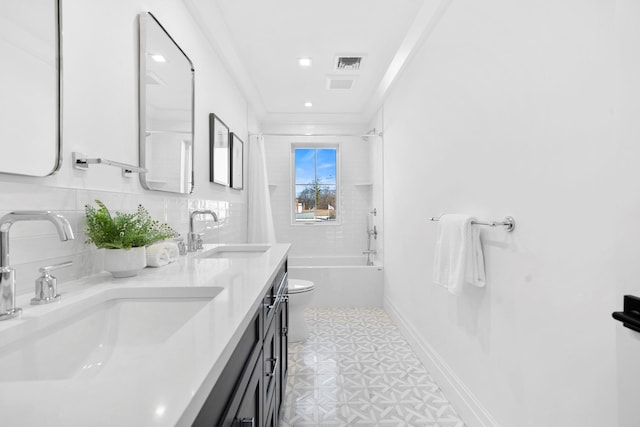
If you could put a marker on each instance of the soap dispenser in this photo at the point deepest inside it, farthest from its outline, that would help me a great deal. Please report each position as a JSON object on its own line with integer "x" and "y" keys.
{"x": 47, "y": 285}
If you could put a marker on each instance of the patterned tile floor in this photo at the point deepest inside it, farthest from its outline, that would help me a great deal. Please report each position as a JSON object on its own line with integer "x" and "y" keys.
{"x": 357, "y": 369}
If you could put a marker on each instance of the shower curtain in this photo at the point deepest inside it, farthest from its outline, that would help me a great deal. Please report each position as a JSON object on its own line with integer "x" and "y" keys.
{"x": 260, "y": 216}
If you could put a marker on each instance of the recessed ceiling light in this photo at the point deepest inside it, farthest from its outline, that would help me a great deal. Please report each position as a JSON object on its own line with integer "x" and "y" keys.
{"x": 158, "y": 58}
{"x": 308, "y": 104}
{"x": 304, "y": 62}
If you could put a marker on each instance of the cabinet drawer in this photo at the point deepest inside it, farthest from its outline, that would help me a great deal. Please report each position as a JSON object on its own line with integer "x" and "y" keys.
{"x": 271, "y": 362}
{"x": 277, "y": 288}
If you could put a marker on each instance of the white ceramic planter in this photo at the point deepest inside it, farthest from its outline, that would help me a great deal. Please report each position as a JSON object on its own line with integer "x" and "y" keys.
{"x": 125, "y": 262}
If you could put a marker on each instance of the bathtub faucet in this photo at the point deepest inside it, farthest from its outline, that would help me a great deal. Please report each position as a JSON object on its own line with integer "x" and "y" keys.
{"x": 368, "y": 253}
{"x": 373, "y": 232}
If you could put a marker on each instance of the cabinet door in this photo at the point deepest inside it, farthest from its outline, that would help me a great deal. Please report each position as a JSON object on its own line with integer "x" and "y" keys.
{"x": 282, "y": 342}
{"x": 271, "y": 362}
{"x": 221, "y": 404}
{"x": 252, "y": 404}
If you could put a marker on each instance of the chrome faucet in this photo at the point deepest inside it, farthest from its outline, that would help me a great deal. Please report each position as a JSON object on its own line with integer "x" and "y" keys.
{"x": 368, "y": 253}
{"x": 194, "y": 241}
{"x": 373, "y": 232}
{"x": 8, "y": 307}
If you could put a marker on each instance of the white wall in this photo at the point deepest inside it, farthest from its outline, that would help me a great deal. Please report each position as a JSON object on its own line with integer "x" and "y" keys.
{"x": 627, "y": 189}
{"x": 349, "y": 236}
{"x": 527, "y": 109}
{"x": 100, "y": 118}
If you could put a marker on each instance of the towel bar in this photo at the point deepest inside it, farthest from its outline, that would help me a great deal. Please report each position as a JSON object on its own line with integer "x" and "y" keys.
{"x": 82, "y": 162}
{"x": 509, "y": 223}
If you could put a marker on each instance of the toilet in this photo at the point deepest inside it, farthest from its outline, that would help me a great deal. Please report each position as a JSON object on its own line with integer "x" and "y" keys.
{"x": 300, "y": 296}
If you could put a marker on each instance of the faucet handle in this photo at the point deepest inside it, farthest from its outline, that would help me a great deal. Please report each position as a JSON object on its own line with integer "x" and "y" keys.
{"x": 48, "y": 268}
{"x": 182, "y": 247}
{"x": 47, "y": 285}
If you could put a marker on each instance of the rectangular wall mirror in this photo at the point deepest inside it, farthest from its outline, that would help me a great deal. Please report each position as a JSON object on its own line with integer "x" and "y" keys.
{"x": 166, "y": 110}
{"x": 30, "y": 87}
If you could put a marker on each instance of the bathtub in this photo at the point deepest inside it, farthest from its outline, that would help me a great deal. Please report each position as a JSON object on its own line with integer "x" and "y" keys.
{"x": 340, "y": 281}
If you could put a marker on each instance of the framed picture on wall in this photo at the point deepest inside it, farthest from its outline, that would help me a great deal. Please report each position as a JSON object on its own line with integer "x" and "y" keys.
{"x": 218, "y": 151}
{"x": 237, "y": 158}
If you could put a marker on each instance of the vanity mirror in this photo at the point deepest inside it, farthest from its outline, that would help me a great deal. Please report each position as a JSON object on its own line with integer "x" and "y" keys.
{"x": 30, "y": 87}
{"x": 166, "y": 110}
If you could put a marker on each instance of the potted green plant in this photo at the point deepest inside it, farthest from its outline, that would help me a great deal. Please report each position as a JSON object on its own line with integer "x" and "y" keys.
{"x": 124, "y": 237}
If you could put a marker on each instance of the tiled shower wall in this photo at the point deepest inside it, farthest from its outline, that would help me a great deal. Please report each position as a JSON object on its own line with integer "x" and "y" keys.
{"x": 34, "y": 244}
{"x": 349, "y": 237}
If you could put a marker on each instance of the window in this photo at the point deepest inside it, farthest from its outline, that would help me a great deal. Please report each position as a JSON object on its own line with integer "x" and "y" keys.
{"x": 315, "y": 184}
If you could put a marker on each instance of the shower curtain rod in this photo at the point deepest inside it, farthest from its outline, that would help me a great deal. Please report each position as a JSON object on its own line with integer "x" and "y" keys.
{"x": 315, "y": 134}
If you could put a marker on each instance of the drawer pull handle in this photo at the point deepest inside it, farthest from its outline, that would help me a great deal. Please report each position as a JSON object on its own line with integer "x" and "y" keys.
{"x": 274, "y": 369}
{"x": 275, "y": 303}
{"x": 246, "y": 422}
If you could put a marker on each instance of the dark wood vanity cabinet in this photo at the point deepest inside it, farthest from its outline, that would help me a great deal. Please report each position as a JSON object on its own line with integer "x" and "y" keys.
{"x": 250, "y": 390}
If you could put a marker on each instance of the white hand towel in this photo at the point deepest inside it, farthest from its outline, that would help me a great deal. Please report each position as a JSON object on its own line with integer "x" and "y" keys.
{"x": 458, "y": 256}
{"x": 157, "y": 255}
{"x": 172, "y": 251}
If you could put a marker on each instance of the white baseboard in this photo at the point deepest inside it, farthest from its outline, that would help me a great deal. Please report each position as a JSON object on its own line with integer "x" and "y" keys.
{"x": 465, "y": 403}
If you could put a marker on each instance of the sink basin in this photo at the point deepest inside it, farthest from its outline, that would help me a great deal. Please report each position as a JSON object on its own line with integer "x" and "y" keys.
{"x": 236, "y": 251}
{"x": 87, "y": 337}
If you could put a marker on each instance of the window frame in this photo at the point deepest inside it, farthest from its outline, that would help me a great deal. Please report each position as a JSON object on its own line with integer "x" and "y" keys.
{"x": 292, "y": 186}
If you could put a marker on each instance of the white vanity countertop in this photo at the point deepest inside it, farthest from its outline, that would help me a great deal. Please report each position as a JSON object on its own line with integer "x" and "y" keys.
{"x": 165, "y": 388}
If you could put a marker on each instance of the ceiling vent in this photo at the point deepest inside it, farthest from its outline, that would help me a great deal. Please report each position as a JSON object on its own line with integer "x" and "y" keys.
{"x": 348, "y": 62}
{"x": 339, "y": 83}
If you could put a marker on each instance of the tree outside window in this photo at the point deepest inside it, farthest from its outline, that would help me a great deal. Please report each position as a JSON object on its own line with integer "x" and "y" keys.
{"x": 315, "y": 184}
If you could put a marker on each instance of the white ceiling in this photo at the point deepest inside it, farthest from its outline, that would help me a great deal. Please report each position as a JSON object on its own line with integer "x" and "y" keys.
{"x": 261, "y": 40}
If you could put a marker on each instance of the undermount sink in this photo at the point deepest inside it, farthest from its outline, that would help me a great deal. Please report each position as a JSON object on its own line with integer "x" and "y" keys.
{"x": 87, "y": 337}
{"x": 236, "y": 251}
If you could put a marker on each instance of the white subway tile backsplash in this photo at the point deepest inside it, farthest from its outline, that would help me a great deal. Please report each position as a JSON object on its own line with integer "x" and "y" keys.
{"x": 17, "y": 196}
{"x": 30, "y": 248}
